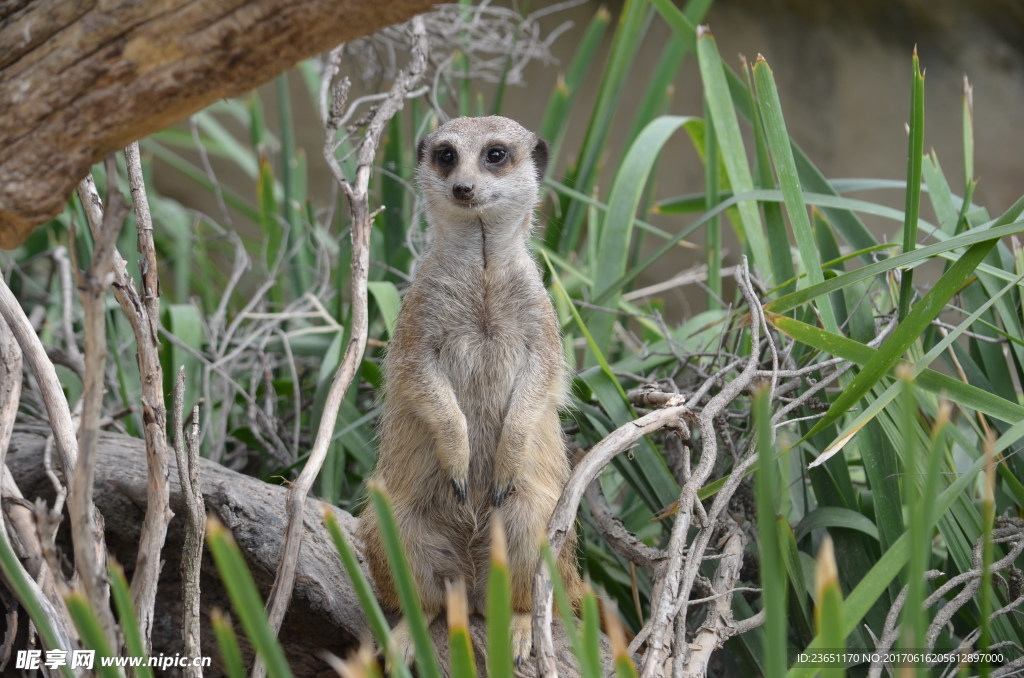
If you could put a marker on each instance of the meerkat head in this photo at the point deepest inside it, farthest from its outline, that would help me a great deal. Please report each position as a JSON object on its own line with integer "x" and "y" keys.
{"x": 481, "y": 169}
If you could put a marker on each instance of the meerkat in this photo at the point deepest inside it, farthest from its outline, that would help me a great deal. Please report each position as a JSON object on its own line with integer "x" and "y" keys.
{"x": 474, "y": 378}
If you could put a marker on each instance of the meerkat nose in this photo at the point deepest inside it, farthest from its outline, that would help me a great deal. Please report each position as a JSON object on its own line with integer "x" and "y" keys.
{"x": 463, "y": 191}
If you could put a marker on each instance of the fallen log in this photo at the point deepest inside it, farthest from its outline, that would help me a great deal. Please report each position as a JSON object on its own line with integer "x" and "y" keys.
{"x": 324, "y": 616}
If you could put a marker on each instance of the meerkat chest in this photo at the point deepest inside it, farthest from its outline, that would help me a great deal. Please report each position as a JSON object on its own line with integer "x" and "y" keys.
{"x": 485, "y": 329}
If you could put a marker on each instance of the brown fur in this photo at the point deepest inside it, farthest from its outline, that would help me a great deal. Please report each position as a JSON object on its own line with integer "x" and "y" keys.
{"x": 474, "y": 375}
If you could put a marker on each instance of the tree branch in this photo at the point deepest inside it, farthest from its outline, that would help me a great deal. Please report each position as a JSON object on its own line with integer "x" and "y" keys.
{"x": 80, "y": 80}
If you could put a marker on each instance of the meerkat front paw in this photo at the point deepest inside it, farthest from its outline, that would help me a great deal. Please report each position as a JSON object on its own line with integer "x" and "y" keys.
{"x": 455, "y": 462}
{"x": 461, "y": 488}
{"x": 506, "y": 472}
{"x": 501, "y": 492}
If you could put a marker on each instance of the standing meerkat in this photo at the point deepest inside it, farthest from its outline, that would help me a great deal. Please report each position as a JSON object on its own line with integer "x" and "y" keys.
{"x": 474, "y": 377}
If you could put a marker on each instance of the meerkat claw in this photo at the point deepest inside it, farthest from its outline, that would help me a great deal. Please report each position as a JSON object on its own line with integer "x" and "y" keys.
{"x": 501, "y": 494}
{"x": 461, "y": 488}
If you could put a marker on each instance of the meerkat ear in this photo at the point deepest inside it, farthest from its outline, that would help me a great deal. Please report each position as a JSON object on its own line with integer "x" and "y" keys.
{"x": 421, "y": 149}
{"x": 540, "y": 157}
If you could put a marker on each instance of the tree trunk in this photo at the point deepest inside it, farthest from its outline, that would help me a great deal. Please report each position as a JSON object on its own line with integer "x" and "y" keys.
{"x": 81, "y": 79}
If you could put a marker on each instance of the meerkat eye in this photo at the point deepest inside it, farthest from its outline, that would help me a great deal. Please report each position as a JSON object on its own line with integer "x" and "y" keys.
{"x": 496, "y": 154}
{"x": 444, "y": 156}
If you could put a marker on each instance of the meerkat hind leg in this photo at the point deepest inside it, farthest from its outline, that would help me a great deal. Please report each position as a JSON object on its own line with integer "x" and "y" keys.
{"x": 404, "y": 649}
{"x": 522, "y": 636}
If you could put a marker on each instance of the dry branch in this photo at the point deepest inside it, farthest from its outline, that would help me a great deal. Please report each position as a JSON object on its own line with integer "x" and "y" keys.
{"x": 80, "y": 80}
{"x": 357, "y": 192}
{"x": 671, "y": 593}
{"x": 186, "y": 456}
{"x": 86, "y": 525}
{"x": 564, "y": 516}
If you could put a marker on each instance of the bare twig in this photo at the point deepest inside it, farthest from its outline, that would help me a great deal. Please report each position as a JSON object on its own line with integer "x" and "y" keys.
{"x": 143, "y": 313}
{"x": 672, "y": 590}
{"x": 618, "y": 441}
{"x": 616, "y": 534}
{"x": 17, "y": 514}
{"x": 86, "y": 523}
{"x": 186, "y": 453}
{"x": 356, "y": 191}
{"x": 718, "y": 625}
{"x": 10, "y": 386}
{"x": 46, "y": 377}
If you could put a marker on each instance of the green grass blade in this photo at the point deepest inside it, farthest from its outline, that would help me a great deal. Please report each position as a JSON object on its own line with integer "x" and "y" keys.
{"x": 968, "y": 136}
{"x": 887, "y": 568}
{"x": 499, "y": 606}
{"x": 126, "y": 618}
{"x": 963, "y": 394}
{"x": 803, "y": 626}
{"x": 778, "y": 234}
{"x": 835, "y": 516}
{"x": 773, "y": 579}
{"x": 785, "y": 168}
{"x": 913, "y": 204}
{"x": 713, "y": 239}
{"x": 921, "y": 487}
{"x": 92, "y": 632}
{"x": 908, "y": 331}
{"x": 590, "y": 660}
{"x": 388, "y": 301}
{"x": 734, "y": 157}
{"x": 616, "y": 234}
{"x": 790, "y": 301}
{"x": 245, "y": 598}
{"x": 988, "y": 512}
{"x": 828, "y": 614}
{"x": 631, "y": 26}
{"x": 913, "y": 620}
{"x": 364, "y": 592}
{"x": 227, "y": 641}
{"x": 426, "y": 657}
{"x": 14, "y": 578}
{"x": 556, "y": 118}
{"x": 460, "y": 644}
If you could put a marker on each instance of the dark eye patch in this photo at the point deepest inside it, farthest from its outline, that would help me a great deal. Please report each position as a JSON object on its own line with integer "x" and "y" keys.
{"x": 496, "y": 155}
{"x": 445, "y": 156}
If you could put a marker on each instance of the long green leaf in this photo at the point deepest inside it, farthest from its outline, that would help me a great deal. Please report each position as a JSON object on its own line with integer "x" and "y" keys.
{"x": 245, "y": 598}
{"x": 126, "y": 618}
{"x": 499, "y": 605}
{"x": 14, "y": 577}
{"x": 913, "y": 206}
{"x": 617, "y": 232}
{"x": 460, "y": 644}
{"x": 405, "y": 585}
{"x": 785, "y": 167}
{"x": 227, "y": 641}
{"x": 734, "y": 157}
{"x": 963, "y": 394}
{"x": 893, "y": 348}
{"x": 92, "y": 633}
{"x": 835, "y": 516}
{"x": 364, "y": 592}
{"x": 773, "y": 580}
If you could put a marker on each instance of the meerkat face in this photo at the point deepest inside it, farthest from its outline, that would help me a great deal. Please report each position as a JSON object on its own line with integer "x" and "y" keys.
{"x": 471, "y": 168}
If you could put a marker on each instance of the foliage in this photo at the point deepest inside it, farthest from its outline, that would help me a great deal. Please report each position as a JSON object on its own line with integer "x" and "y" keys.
{"x": 902, "y": 467}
